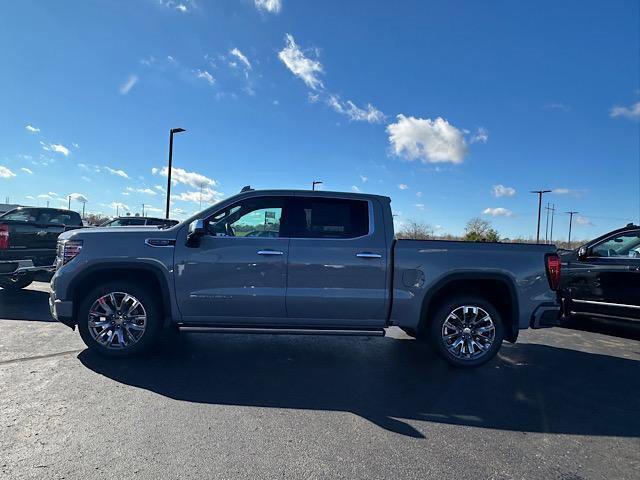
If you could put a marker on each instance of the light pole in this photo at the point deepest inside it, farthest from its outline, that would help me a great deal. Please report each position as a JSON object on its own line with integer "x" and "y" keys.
{"x": 314, "y": 183}
{"x": 539, "y": 192}
{"x": 571, "y": 214}
{"x": 171, "y": 133}
{"x": 143, "y": 209}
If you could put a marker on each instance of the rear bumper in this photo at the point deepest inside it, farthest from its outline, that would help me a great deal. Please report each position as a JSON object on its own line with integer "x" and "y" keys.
{"x": 546, "y": 315}
{"x": 62, "y": 311}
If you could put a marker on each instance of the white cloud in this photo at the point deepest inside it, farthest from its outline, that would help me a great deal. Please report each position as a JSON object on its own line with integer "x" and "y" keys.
{"x": 502, "y": 191}
{"x": 27, "y": 170}
{"x": 403, "y": 186}
{"x": 557, "y": 106}
{"x": 128, "y": 84}
{"x": 498, "y": 212}
{"x": 364, "y": 178}
{"x": 632, "y": 112}
{"x": 208, "y": 195}
{"x": 32, "y": 129}
{"x": 300, "y": 65}
{"x": 55, "y": 147}
{"x": 118, "y": 172}
{"x": 47, "y": 196}
{"x": 182, "y": 8}
{"x": 6, "y": 173}
{"x": 481, "y": 136}
{"x": 86, "y": 179}
{"x": 75, "y": 145}
{"x": 370, "y": 114}
{"x": 581, "y": 220}
{"x": 271, "y": 6}
{"x": 419, "y": 194}
{"x": 355, "y": 188}
{"x": 146, "y": 191}
{"x": 419, "y": 206}
{"x": 562, "y": 191}
{"x": 78, "y": 197}
{"x": 241, "y": 57}
{"x": 429, "y": 141}
{"x": 179, "y": 175}
{"x": 160, "y": 188}
{"x": 119, "y": 206}
{"x": 204, "y": 75}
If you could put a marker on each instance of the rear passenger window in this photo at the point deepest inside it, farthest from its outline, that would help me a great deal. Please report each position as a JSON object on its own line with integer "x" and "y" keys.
{"x": 329, "y": 218}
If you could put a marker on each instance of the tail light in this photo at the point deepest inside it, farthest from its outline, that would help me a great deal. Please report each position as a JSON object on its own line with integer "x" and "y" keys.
{"x": 68, "y": 250}
{"x": 4, "y": 237}
{"x": 553, "y": 271}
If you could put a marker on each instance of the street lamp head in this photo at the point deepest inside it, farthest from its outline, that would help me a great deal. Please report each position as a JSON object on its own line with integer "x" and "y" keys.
{"x": 177, "y": 130}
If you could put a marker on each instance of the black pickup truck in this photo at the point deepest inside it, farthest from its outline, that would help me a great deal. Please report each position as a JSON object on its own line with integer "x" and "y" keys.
{"x": 28, "y": 237}
{"x": 601, "y": 279}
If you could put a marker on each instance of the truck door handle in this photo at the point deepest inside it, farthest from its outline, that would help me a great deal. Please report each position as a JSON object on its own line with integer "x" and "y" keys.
{"x": 270, "y": 252}
{"x": 368, "y": 255}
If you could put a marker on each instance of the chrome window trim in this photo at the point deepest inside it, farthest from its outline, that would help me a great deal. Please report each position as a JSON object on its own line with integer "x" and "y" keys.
{"x": 369, "y": 204}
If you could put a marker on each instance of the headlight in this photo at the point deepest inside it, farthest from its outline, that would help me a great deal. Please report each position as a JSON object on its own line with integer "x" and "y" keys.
{"x": 67, "y": 251}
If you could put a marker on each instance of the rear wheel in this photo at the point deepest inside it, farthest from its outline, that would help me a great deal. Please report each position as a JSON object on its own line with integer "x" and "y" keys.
{"x": 119, "y": 319}
{"x": 15, "y": 282}
{"x": 467, "y": 331}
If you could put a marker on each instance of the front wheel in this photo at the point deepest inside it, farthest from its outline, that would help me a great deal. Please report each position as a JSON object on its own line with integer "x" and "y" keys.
{"x": 15, "y": 282}
{"x": 119, "y": 319}
{"x": 467, "y": 331}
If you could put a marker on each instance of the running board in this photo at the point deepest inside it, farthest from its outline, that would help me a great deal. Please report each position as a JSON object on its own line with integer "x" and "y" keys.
{"x": 372, "y": 332}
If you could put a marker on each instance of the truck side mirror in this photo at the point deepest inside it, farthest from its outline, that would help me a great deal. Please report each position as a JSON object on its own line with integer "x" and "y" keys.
{"x": 583, "y": 252}
{"x": 196, "y": 230}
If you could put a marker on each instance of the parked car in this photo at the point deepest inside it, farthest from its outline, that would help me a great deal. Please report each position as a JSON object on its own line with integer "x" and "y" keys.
{"x": 332, "y": 266}
{"x": 139, "y": 222}
{"x": 28, "y": 237}
{"x": 602, "y": 278}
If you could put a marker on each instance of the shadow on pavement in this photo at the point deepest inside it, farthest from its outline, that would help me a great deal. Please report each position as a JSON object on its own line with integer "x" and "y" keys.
{"x": 31, "y": 305}
{"x": 530, "y": 388}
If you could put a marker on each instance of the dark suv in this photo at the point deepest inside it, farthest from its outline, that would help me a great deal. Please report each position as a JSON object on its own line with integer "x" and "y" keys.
{"x": 602, "y": 278}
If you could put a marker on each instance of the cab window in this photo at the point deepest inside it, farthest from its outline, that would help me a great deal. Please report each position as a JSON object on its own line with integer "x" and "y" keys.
{"x": 254, "y": 217}
{"x": 625, "y": 244}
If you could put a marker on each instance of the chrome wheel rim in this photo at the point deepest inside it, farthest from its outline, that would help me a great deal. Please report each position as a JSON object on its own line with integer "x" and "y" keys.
{"x": 117, "y": 320}
{"x": 468, "y": 332}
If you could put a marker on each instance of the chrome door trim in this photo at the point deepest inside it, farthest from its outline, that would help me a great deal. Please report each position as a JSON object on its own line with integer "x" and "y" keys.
{"x": 368, "y": 255}
{"x": 606, "y": 304}
{"x": 269, "y": 252}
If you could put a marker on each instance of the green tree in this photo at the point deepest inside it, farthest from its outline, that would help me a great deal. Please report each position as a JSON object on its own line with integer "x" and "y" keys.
{"x": 479, "y": 230}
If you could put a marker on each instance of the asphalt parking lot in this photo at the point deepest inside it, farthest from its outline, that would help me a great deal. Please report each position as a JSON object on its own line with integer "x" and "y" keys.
{"x": 560, "y": 404}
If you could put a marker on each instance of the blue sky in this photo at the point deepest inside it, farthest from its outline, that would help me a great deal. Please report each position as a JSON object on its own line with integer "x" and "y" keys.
{"x": 455, "y": 109}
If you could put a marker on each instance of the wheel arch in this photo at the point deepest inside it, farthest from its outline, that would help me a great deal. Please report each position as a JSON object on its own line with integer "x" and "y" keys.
{"x": 149, "y": 275}
{"x": 497, "y": 288}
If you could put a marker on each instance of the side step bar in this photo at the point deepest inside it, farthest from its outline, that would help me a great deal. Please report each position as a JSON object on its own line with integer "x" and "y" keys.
{"x": 368, "y": 332}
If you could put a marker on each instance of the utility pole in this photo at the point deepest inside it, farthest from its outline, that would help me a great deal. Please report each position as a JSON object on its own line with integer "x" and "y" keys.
{"x": 571, "y": 214}
{"x": 553, "y": 213}
{"x": 540, "y": 193}
{"x": 143, "y": 209}
{"x": 546, "y": 228}
{"x": 69, "y": 203}
{"x": 171, "y": 133}
{"x": 314, "y": 183}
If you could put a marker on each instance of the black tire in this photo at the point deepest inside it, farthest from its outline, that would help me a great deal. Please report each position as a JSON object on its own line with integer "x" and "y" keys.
{"x": 441, "y": 316}
{"x": 14, "y": 283}
{"x": 150, "y": 305}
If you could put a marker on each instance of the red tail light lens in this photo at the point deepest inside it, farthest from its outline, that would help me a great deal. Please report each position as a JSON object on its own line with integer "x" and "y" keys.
{"x": 553, "y": 271}
{"x": 4, "y": 237}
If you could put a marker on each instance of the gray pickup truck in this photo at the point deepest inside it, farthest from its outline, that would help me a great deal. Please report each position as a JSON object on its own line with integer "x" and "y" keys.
{"x": 282, "y": 261}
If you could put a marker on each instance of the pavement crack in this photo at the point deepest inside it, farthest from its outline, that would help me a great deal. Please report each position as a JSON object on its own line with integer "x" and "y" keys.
{"x": 38, "y": 357}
